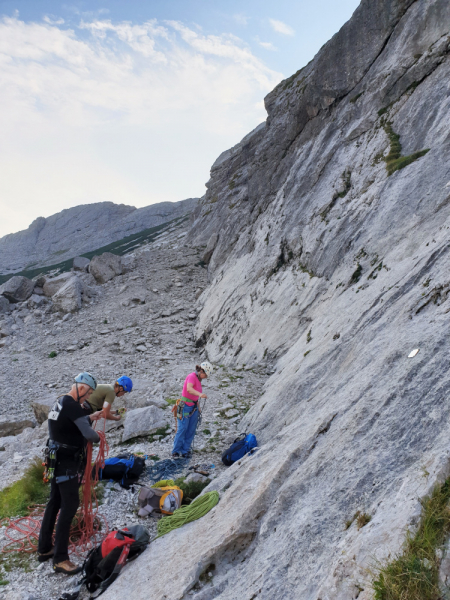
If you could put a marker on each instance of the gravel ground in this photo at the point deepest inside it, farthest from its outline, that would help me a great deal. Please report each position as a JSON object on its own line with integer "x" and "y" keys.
{"x": 140, "y": 324}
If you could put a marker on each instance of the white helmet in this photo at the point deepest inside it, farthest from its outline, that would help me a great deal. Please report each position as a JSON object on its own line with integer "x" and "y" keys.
{"x": 207, "y": 367}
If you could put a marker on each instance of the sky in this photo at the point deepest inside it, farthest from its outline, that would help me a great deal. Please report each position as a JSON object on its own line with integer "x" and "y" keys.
{"x": 131, "y": 101}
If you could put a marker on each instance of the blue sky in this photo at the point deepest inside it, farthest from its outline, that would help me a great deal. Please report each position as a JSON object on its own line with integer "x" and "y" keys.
{"x": 132, "y": 101}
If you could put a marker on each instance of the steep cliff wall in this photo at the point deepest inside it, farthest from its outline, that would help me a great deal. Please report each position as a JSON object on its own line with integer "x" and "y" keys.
{"x": 329, "y": 259}
{"x": 82, "y": 229}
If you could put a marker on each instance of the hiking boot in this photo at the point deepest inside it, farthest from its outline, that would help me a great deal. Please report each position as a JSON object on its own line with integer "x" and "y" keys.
{"x": 67, "y": 567}
{"x": 43, "y": 556}
{"x": 187, "y": 454}
{"x": 175, "y": 455}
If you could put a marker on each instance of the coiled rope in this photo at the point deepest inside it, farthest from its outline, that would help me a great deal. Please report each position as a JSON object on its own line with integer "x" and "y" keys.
{"x": 166, "y": 469}
{"x": 197, "y": 509}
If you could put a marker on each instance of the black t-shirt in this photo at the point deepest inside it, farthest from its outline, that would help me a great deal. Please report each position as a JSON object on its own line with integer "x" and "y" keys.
{"x": 61, "y": 423}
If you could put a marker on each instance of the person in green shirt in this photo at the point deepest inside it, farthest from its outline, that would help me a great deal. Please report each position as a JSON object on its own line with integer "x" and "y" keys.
{"x": 105, "y": 394}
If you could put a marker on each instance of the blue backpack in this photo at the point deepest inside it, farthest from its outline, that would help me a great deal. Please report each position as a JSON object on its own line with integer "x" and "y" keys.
{"x": 125, "y": 468}
{"x": 245, "y": 443}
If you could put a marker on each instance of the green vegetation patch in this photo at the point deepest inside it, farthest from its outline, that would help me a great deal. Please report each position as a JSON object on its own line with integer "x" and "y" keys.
{"x": 192, "y": 489}
{"x": 17, "y": 498}
{"x": 394, "y": 160}
{"x": 356, "y": 276}
{"x": 171, "y": 401}
{"x": 414, "y": 574}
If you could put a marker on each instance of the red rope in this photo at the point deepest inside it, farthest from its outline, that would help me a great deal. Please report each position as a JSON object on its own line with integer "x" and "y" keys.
{"x": 88, "y": 527}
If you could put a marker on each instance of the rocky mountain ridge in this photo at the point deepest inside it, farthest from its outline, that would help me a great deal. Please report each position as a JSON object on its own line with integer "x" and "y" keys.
{"x": 82, "y": 229}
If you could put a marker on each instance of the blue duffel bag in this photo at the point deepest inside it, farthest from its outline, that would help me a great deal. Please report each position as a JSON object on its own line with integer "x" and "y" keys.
{"x": 245, "y": 443}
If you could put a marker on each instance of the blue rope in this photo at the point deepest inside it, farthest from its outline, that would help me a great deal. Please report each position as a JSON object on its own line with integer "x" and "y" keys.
{"x": 168, "y": 468}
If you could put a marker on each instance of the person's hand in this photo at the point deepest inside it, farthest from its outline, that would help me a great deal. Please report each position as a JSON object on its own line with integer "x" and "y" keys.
{"x": 97, "y": 415}
{"x": 203, "y": 396}
{"x": 117, "y": 417}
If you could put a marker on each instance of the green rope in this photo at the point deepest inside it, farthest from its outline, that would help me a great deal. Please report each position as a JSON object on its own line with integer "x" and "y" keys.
{"x": 197, "y": 509}
{"x": 164, "y": 483}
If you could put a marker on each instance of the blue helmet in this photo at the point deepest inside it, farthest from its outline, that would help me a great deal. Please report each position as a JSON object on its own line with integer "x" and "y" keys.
{"x": 126, "y": 383}
{"x": 87, "y": 379}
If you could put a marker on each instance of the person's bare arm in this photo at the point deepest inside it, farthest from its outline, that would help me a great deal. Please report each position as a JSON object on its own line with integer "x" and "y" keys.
{"x": 194, "y": 392}
{"x": 108, "y": 413}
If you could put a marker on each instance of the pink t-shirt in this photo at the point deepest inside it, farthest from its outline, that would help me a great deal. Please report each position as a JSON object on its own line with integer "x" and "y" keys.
{"x": 192, "y": 378}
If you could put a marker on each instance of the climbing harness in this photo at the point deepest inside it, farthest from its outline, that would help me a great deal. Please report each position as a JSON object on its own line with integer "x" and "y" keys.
{"x": 186, "y": 514}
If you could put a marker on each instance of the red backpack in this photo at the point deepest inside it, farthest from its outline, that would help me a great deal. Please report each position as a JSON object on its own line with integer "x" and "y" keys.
{"x": 104, "y": 563}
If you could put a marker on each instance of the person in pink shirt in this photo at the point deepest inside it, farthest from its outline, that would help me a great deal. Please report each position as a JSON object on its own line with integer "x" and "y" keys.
{"x": 187, "y": 426}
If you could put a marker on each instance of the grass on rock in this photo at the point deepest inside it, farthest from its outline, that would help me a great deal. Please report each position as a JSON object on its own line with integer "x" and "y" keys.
{"x": 394, "y": 160}
{"x": 414, "y": 574}
{"x": 192, "y": 489}
{"x": 27, "y": 491}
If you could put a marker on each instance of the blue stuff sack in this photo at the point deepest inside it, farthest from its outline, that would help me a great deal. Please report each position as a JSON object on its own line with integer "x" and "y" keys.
{"x": 125, "y": 468}
{"x": 241, "y": 446}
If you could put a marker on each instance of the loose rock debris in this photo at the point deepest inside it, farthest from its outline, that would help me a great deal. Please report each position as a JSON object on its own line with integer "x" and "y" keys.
{"x": 153, "y": 342}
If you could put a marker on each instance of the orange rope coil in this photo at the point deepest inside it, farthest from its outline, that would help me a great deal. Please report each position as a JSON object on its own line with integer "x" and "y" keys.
{"x": 88, "y": 526}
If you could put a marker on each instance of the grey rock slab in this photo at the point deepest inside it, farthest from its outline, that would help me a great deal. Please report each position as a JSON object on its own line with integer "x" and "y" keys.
{"x": 80, "y": 263}
{"x": 105, "y": 267}
{"x": 195, "y": 477}
{"x": 143, "y": 421}
{"x": 35, "y": 300}
{"x": 5, "y": 306}
{"x": 17, "y": 289}
{"x": 231, "y": 413}
{"x": 129, "y": 262}
{"x": 14, "y": 427}
{"x": 53, "y": 284}
{"x": 159, "y": 402}
{"x": 212, "y": 243}
{"x": 41, "y": 408}
{"x": 68, "y": 298}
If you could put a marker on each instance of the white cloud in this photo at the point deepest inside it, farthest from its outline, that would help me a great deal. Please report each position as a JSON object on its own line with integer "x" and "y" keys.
{"x": 281, "y": 27}
{"x": 241, "y": 19}
{"x": 268, "y": 46}
{"x": 133, "y": 113}
{"x": 53, "y": 20}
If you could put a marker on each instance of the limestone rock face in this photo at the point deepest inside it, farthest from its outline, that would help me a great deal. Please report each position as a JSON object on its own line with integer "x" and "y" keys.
{"x": 17, "y": 289}
{"x": 105, "y": 267}
{"x": 68, "y": 298}
{"x": 331, "y": 266}
{"x": 212, "y": 242}
{"x": 143, "y": 421}
{"x": 54, "y": 239}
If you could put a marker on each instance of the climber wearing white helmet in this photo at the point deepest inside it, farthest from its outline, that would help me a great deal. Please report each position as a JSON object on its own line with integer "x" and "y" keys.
{"x": 188, "y": 410}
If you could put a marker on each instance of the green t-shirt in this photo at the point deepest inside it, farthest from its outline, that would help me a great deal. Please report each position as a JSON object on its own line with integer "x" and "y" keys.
{"x": 104, "y": 393}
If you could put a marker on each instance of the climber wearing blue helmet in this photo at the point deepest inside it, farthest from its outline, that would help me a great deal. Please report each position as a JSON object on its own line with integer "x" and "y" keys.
{"x": 105, "y": 394}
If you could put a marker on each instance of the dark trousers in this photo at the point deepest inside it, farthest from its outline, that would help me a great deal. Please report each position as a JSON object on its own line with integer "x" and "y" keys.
{"x": 64, "y": 498}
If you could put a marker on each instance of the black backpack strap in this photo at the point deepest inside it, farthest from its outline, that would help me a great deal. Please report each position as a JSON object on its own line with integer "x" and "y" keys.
{"x": 118, "y": 567}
